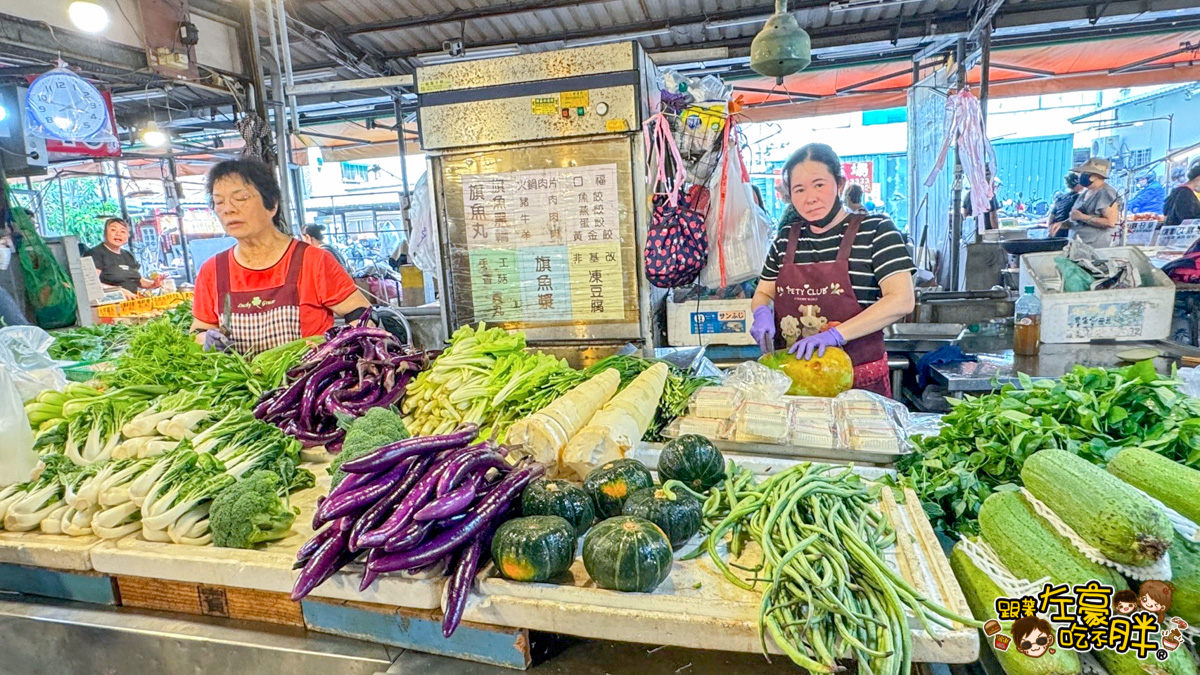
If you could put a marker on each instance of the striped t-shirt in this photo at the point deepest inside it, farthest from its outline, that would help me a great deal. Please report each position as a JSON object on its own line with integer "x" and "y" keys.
{"x": 879, "y": 252}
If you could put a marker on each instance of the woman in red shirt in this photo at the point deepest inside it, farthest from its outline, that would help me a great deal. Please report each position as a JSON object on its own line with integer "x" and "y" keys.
{"x": 273, "y": 288}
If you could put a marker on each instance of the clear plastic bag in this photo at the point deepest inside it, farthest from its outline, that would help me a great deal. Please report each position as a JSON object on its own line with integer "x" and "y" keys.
{"x": 423, "y": 243}
{"x": 739, "y": 232}
{"x": 17, "y": 458}
{"x": 24, "y": 353}
{"x": 758, "y": 382}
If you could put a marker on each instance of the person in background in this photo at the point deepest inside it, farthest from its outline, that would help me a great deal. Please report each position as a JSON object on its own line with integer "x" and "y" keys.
{"x": 1150, "y": 196}
{"x": 1183, "y": 202}
{"x": 1178, "y": 177}
{"x": 1060, "y": 212}
{"x": 116, "y": 265}
{"x": 990, "y": 219}
{"x": 314, "y": 235}
{"x": 854, "y": 199}
{"x": 840, "y": 277}
{"x": 269, "y": 289}
{"x": 1097, "y": 210}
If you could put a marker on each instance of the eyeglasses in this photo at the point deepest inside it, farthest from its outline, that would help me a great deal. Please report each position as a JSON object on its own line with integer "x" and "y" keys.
{"x": 1026, "y": 644}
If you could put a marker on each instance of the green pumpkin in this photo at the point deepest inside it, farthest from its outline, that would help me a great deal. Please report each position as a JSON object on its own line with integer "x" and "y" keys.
{"x": 678, "y": 518}
{"x": 627, "y": 553}
{"x": 534, "y": 548}
{"x": 559, "y": 498}
{"x": 692, "y": 460}
{"x": 611, "y": 484}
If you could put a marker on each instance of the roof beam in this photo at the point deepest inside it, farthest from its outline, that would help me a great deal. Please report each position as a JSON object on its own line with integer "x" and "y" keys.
{"x": 455, "y": 15}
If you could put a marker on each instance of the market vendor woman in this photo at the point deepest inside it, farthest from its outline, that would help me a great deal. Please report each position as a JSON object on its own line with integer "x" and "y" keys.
{"x": 834, "y": 277}
{"x": 273, "y": 288}
{"x": 116, "y": 265}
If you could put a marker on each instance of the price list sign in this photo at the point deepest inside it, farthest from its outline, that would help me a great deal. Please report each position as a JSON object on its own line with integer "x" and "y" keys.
{"x": 544, "y": 244}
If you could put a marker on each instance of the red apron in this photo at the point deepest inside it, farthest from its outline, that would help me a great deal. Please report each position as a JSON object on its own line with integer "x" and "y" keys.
{"x": 266, "y": 318}
{"x": 819, "y": 296}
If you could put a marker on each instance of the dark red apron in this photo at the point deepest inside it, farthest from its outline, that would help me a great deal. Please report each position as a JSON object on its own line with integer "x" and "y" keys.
{"x": 820, "y": 296}
{"x": 266, "y": 318}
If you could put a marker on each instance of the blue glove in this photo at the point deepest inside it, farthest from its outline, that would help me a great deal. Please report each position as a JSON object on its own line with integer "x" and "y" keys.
{"x": 763, "y": 328}
{"x": 216, "y": 341}
{"x": 804, "y": 349}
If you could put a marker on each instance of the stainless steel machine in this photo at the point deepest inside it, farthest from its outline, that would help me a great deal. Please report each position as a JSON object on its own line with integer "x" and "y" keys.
{"x": 538, "y": 173}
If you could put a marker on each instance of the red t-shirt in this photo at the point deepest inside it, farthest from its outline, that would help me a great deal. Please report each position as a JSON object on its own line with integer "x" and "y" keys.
{"x": 323, "y": 283}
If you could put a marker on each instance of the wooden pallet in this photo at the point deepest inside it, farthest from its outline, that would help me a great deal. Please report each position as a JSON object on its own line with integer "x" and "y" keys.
{"x": 209, "y": 600}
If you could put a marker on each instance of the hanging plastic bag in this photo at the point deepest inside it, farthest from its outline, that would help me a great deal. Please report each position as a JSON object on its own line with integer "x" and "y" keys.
{"x": 423, "y": 243}
{"x": 17, "y": 458}
{"x": 739, "y": 231}
{"x": 25, "y": 356}
{"x": 47, "y": 285}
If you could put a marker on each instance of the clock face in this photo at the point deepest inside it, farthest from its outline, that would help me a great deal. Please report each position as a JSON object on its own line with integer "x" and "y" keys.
{"x": 66, "y": 107}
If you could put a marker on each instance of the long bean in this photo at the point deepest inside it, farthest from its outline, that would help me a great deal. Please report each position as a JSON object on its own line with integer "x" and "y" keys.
{"x": 829, "y": 594}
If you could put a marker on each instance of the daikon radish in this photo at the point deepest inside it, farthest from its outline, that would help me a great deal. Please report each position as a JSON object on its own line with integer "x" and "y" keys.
{"x": 544, "y": 434}
{"x": 619, "y": 425}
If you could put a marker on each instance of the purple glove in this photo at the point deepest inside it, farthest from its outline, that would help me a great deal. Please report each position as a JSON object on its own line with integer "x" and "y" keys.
{"x": 763, "y": 328}
{"x": 216, "y": 341}
{"x": 804, "y": 349}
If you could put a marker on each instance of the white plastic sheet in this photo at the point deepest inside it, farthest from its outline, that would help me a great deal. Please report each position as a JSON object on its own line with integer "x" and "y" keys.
{"x": 17, "y": 458}
{"x": 24, "y": 354}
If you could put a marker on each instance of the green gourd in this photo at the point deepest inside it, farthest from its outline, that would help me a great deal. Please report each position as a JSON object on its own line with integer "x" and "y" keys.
{"x": 557, "y": 497}
{"x": 679, "y": 516}
{"x": 692, "y": 460}
{"x": 534, "y": 548}
{"x": 1166, "y": 480}
{"x": 627, "y": 553}
{"x": 611, "y": 484}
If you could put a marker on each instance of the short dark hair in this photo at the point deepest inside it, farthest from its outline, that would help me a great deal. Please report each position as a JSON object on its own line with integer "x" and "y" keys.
{"x": 1125, "y": 596}
{"x": 1072, "y": 179}
{"x": 817, "y": 152}
{"x": 255, "y": 173}
{"x": 1194, "y": 170}
{"x": 110, "y": 221}
{"x": 854, "y": 194}
{"x": 315, "y": 231}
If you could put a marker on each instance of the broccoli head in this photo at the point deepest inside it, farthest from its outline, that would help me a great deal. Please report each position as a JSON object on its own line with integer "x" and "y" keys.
{"x": 376, "y": 428}
{"x": 251, "y": 512}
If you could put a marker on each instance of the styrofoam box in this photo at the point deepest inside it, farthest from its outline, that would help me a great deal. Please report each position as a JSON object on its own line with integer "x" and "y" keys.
{"x": 709, "y": 322}
{"x": 1127, "y": 314}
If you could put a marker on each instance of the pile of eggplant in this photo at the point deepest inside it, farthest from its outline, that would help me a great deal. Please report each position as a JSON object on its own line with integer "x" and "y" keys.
{"x": 425, "y": 503}
{"x": 357, "y": 368}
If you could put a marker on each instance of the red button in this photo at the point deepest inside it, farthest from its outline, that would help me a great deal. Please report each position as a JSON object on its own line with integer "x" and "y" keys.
{"x": 566, "y": 113}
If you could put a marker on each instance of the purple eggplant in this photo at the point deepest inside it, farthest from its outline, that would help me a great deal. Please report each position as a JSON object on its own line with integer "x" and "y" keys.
{"x": 459, "y": 586}
{"x": 369, "y": 575}
{"x": 378, "y": 512}
{"x": 324, "y": 397}
{"x": 361, "y": 498}
{"x": 400, "y": 517}
{"x": 316, "y": 382}
{"x": 346, "y": 336}
{"x": 394, "y": 452}
{"x": 452, "y": 503}
{"x": 466, "y": 466}
{"x": 488, "y": 510}
{"x": 310, "y": 547}
{"x": 409, "y": 536}
{"x": 317, "y": 569}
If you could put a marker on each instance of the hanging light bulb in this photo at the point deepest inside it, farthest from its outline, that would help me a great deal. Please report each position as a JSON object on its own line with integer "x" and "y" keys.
{"x": 152, "y": 135}
{"x": 88, "y": 16}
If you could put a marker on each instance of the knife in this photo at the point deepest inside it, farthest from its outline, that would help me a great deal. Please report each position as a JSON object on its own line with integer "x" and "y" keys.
{"x": 227, "y": 315}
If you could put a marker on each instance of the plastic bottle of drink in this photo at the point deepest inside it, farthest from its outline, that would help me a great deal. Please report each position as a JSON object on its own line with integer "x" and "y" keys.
{"x": 1028, "y": 320}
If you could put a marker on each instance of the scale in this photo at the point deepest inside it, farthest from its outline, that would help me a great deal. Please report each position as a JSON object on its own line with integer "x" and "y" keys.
{"x": 538, "y": 175}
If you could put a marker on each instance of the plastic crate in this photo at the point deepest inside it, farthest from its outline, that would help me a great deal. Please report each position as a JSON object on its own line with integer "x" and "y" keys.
{"x": 1124, "y": 315}
{"x": 709, "y": 322}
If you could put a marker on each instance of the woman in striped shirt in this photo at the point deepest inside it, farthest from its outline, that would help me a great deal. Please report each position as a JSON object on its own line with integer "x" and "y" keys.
{"x": 840, "y": 276}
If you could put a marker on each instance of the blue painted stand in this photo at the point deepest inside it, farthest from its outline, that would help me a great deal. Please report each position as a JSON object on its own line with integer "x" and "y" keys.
{"x": 79, "y": 586}
{"x": 420, "y": 631}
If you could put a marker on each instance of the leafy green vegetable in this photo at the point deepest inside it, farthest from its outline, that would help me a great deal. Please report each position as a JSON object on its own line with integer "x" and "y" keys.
{"x": 251, "y": 512}
{"x": 89, "y": 343}
{"x": 1091, "y": 412}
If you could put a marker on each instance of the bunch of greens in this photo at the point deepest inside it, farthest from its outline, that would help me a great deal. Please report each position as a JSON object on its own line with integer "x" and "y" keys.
{"x": 677, "y": 392}
{"x": 180, "y": 316}
{"x": 1091, "y": 412}
{"x": 89, "y": 343}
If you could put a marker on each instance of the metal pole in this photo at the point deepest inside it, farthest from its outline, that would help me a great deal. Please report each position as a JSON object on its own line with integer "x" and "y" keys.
{"x": 985, "y": 72}
{"x": 286, "y": 47}
{"x": 405, "y": 216}
{"x": 177, "y": 196}
{"x": 956, "y": 221}
{"x": 121, "y": 192}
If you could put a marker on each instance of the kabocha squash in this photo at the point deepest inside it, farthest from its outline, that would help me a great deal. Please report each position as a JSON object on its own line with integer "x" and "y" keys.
{"x": 981, "y": 593}
{"x": 1169, "y": 482}
{"x": 559, "y": 498}
{"x": 534, "y": 548}
{"x": 1185, "y": 577}
{"x": 1031, "y": 549}
{"x": 627, "y": 553}
{"x": 611, "y": 484}
{"x": 678, "y": 515}
{"x": 1103, "y": 510}
{"x": 692, "y": 460}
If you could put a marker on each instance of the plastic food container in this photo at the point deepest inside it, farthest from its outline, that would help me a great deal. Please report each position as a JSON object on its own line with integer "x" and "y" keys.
{"x": 812, "y": 433}
{"x": 869, "y": 437}
{"x": 715, "y": 402}
{"x": 703, "y": 426}
{"x": 758, "y": 422}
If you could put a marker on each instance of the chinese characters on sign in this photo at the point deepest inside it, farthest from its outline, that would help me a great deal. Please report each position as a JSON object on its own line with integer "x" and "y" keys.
{"x": 544, "y": 245}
